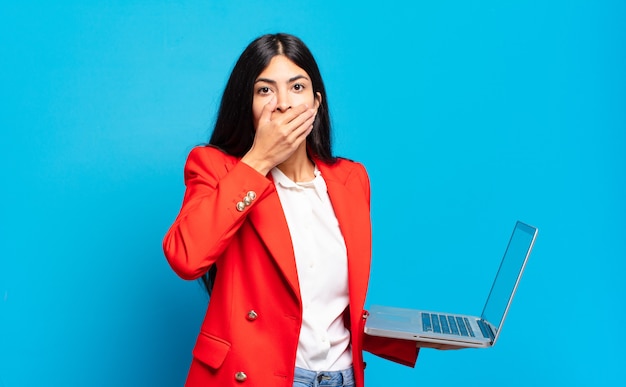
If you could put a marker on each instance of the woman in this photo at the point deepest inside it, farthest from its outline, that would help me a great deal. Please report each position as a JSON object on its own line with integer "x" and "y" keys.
{"x": 279, "y": 229}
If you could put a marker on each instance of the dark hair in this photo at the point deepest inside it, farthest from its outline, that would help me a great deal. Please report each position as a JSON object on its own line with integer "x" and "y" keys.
{"x": 234, "y": 127}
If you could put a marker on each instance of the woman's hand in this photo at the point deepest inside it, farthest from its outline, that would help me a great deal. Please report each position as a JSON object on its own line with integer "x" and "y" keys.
{"x": 423, "y": 344}
{"x": 278, "y": 135}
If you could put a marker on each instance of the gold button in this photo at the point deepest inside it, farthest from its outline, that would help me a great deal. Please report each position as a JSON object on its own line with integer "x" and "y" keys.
{"x": 252, "y": 315}
{"x": 241, "y": 376}
{"x": 241, "y": 206}
{"x": 251, "y": 195}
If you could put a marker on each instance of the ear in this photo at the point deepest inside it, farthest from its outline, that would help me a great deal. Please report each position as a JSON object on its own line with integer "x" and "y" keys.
{"x": 318, "y": 99}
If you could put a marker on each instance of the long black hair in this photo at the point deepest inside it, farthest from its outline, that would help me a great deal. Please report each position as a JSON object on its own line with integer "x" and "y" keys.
{"x": 234, "y": 127}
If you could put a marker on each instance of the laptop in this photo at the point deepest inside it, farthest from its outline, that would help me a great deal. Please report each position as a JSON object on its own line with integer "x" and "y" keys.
{"x": 459, "y": 329}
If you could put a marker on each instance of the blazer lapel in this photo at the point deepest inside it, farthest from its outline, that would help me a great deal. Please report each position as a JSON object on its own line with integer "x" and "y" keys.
{"x": 268, "y": 219}
{"x": 352, "y": 212}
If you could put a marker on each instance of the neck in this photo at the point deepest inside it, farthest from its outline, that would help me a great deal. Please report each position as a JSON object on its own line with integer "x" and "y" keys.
{"x": 298, "y": 167}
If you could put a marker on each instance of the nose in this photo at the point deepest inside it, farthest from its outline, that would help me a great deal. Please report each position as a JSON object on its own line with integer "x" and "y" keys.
{"x": 283, "y": 104}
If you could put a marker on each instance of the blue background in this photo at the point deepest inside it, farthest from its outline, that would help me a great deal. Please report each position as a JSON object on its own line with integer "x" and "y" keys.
{"x": 468, "y": 116}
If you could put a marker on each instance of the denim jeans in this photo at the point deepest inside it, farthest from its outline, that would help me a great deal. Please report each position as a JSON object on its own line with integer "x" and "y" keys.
{"x": 306, "y": 378}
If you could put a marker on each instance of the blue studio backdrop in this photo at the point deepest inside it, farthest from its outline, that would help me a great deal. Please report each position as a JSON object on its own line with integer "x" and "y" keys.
{"x": 467, "y": 115}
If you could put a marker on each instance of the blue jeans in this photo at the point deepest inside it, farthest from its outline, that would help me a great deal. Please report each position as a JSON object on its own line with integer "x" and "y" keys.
{"x": 306, "y": 378}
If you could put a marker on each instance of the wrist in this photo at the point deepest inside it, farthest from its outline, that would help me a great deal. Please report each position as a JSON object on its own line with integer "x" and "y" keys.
{"x": 261, "y": 166}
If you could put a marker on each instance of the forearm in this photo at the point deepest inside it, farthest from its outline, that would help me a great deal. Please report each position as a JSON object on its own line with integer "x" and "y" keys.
{"x": 397, "y": 350}
{"x": 210, "y": 215}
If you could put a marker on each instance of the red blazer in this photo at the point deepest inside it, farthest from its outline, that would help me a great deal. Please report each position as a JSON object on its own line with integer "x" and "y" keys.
{"x": 250, "y": 332}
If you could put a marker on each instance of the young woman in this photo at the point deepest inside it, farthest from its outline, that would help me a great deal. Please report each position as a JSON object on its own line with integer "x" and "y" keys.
{"x": 279, "y": 230}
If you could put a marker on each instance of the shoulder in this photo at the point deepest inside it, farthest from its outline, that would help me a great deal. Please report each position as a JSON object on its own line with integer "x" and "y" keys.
{"x": 348, "y": 173}
{"x": 208, "y": 159}
{"x": 345, "y": 169}
{"x": 208, "y": 155}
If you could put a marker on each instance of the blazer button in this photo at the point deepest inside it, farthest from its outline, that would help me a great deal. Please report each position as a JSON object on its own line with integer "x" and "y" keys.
{"x": 252, "y": 315}
{"x": 241, "y": 376}
{"x": 241, "y": 206}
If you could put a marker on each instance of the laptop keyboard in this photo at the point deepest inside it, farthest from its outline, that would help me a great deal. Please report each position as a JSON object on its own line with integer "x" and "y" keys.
{"x": 448, "y": 324}
{"x": 485, "y": 329}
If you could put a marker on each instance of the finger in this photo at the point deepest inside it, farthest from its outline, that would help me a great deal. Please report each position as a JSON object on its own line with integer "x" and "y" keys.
{"x": 266, "y": 113}
{"x": 302, "y": 121}
{"x": 293, "y": 114}
{"x": 301, "y": 132}
{"x": 305, "y": 119}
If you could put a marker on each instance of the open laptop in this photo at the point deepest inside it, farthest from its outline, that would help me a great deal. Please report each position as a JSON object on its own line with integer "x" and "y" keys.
{"x": 459, "y": 329}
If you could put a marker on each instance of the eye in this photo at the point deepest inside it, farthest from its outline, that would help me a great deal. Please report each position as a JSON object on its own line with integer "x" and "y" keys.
{"x": 298, "y": 87}
{"x": 263, "y": 90}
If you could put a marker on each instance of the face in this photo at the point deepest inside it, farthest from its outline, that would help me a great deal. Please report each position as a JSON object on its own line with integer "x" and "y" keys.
{"x": 289, "y": 84}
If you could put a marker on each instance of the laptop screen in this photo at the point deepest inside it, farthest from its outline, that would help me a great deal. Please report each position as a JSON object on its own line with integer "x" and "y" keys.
{"x": 509, "y": 274}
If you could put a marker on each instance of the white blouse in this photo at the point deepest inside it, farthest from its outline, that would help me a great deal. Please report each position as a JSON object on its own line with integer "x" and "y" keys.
{"x": 321, "y": 261}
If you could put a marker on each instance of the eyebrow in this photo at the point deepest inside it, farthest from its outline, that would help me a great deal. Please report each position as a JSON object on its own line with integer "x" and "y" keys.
{"x": 273, "y": 82}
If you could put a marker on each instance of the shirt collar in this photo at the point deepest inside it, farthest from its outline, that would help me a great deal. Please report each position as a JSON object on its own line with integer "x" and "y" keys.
{"x": 318, "y": 183}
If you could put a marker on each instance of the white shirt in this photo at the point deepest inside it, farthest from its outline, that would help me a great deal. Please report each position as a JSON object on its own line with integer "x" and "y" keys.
{"x": 321, "y": 261}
